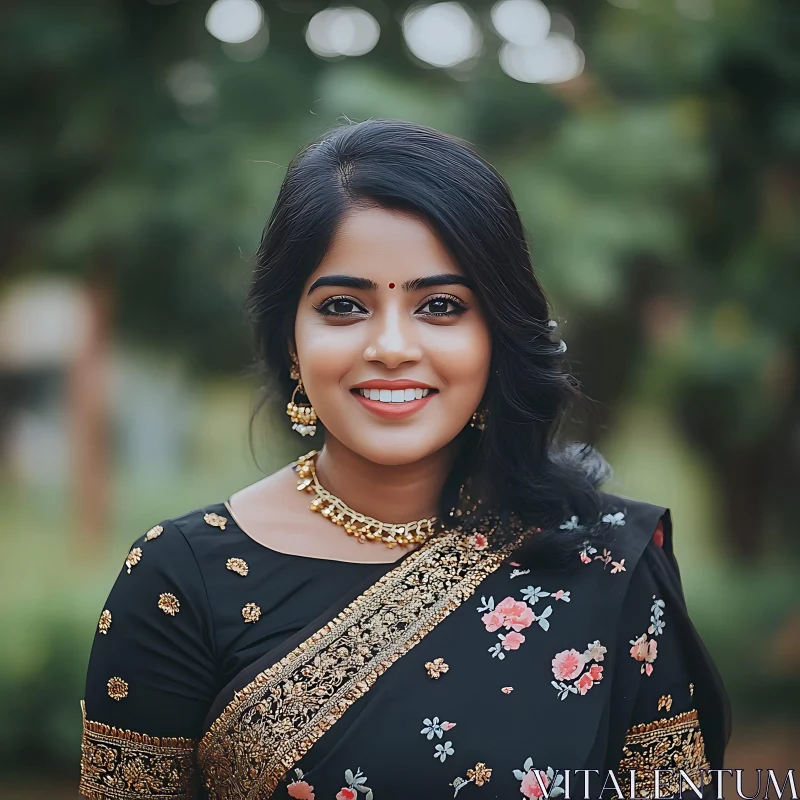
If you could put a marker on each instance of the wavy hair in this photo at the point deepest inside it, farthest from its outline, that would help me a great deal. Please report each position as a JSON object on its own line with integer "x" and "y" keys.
{"x": 521, "y": 461}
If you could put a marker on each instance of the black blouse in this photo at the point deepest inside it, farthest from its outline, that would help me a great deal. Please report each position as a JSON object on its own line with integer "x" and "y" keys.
{"x": 208, "y": 600}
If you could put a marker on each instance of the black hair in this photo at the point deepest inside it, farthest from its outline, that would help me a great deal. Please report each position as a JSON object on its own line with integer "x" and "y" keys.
{"x": 520, "y": 462}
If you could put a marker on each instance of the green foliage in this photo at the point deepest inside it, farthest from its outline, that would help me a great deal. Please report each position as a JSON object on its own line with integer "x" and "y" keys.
{"x": 659, "y": 189}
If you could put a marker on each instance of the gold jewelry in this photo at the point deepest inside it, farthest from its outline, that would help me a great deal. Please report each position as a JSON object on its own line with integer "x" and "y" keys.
{"x": 302, "y": 415}
{"x": 364, "y": 528}
{"x": 478, "y": 419}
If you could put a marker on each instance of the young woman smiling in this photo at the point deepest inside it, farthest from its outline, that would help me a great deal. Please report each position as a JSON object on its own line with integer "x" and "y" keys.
{"x": 468, "y": 611}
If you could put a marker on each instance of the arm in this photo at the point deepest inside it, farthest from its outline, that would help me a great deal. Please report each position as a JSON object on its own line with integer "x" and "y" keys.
{"x": 151, "y": 675}
{"x": 677, "y": 714}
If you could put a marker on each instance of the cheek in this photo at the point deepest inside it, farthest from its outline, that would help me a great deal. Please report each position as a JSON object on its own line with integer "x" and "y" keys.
{"x": 462, "y": 354}
{"x": 326, "y": 354}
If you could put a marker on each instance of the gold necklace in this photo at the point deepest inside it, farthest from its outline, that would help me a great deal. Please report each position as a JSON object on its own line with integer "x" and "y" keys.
{"x": 364, "y": 528}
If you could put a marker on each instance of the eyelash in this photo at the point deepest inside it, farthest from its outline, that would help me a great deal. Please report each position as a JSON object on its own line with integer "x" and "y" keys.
{"x": 460, "y": 307}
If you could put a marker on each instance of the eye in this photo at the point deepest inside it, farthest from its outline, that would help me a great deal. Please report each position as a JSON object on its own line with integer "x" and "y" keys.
{"x": 444, "y": 306}
{"x": 339, "y": 307}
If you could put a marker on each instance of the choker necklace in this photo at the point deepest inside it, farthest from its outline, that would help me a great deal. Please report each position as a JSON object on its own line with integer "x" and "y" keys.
{"x": 359, "y": 525}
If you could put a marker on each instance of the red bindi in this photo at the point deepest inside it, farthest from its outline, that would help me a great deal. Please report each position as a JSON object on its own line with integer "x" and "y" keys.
{"x": 391, "y": 286}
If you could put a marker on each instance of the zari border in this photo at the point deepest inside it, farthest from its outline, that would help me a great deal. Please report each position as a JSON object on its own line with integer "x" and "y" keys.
{"x": 274, "y": 720}
{"x": 674, "y": 743}
{"x": 122, "y": 765}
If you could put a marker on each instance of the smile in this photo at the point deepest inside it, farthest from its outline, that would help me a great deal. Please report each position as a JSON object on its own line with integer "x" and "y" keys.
{"x": 394, "y": 395}
{"x": 393, "y": 403}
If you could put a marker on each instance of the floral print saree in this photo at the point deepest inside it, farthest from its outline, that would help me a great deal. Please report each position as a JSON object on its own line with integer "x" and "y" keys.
{"x": 470, "y": 668}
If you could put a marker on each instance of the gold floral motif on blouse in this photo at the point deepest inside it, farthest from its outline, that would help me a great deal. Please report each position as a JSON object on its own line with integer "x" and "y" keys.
{"x": 120, "y": 765}
{"x": 105, "y": 622}
{"x": 154, "y": 533}
{"x": 216, "y": 521}
{"x": 134, "y": 557}
{"x": 675, "y": 743}
{"x": 238, "y": 565}
{"x": 169, "y": 604}
{"x": 117, "y": 689}
{"x": 251, "y": 613}
{"x": 273, "y": 721}
{"x": 665, "y": 702}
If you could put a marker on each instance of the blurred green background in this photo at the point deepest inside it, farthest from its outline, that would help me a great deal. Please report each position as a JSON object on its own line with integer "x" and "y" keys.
{"x": 653, "y": 147}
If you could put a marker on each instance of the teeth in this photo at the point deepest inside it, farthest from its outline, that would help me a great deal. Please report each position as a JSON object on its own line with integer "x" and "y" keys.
{"x": 394, "y": 395}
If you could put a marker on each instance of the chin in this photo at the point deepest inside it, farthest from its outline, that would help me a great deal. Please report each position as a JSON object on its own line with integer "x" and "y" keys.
{"x": 398, "y": 447}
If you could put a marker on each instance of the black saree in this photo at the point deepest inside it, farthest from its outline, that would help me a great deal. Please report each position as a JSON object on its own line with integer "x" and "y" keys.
{"x": 396, "y": 692}
{"x": 467, "y": 668}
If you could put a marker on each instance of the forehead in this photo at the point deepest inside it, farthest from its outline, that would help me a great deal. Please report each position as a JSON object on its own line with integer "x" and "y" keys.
{"x": 386, "y": 245}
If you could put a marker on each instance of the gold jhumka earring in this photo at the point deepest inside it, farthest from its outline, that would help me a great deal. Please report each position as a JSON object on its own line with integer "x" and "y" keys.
{"x": 478, "y": 419}
{"x": 302, "y": 415}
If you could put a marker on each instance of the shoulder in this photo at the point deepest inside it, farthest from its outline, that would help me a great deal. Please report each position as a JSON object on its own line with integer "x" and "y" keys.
{"x": 179, "y": 544}
{"x": 634, "y": 524}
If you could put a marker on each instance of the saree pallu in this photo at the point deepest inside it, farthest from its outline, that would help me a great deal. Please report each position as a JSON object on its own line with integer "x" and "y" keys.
{"x": 472, "y": 669}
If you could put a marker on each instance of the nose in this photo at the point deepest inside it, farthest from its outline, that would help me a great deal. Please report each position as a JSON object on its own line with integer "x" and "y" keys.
{"x": 392, "y": 341}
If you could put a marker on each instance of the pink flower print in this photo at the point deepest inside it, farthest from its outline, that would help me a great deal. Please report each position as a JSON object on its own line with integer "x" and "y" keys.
{"x": 639, "y": 647}
{"x": 493, "y": 620}
{"x": 507, "y": 689}
{"x": 585, "y": 558}
{"x": 618, "y": 566}
{"x": 584, "y": 683}
{"x": 512, "y": 641}
{"x": 530, "y": 786}
{"x": 567, "y": 664}
{"x": 346, "y": 794}
{"x": 479, "y": 541}
{"x": 446, "y": 726}
{"x": 518, "y": 615}
{"x": 300, "y": 790}
{"x": 562, "y": 595}
{"x": 645, "y": 650}
{"x": 595, "y": 672}
{"x": 514, "y": 563}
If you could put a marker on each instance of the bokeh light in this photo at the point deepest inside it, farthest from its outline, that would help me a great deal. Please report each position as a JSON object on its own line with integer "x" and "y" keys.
{"x": 522, "y": 22}
{"x": 234, "y": 21}
{"x": 554, "y": 60}
{"x": 442, "y": 34}
{"x": 347, "y": 31}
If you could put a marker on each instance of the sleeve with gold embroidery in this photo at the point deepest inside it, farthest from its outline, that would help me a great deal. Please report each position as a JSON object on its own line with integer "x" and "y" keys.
{"x": 151, "y": 675}
{"x": 672, "y": 707}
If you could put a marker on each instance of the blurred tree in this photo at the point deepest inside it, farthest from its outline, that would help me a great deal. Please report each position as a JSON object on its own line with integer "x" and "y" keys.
{"x": 660, "y": 188}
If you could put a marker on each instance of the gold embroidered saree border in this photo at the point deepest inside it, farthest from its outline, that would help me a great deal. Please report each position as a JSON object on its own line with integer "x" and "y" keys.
{"x": 674, "y": 743}
{"x": 123, "y": 765}
{"x": 274, "y": 720}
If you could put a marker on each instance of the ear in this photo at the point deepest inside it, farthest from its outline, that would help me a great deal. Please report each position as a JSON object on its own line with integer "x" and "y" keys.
{"x": 291, "y": 349}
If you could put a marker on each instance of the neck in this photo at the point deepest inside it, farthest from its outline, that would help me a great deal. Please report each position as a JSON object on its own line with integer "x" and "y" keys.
{"x": 395, "y": 493}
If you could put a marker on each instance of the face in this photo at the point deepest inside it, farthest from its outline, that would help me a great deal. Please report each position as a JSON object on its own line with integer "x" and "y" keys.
{"x": 394, "y": 348}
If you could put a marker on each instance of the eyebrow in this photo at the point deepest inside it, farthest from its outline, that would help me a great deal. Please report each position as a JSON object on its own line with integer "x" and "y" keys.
{"x": 345, "y": 281}
{"x": 415, "y": 285}
{"x": 446, "y": 279}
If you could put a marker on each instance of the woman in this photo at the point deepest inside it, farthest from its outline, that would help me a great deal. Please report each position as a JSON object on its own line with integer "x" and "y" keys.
{"x": 468, "y": 612}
